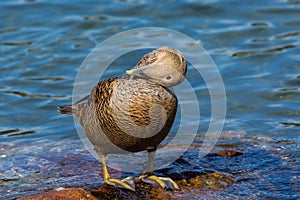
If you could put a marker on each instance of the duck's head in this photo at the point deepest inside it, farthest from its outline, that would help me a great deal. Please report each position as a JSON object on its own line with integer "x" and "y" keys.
{"x": 164, "y": 66}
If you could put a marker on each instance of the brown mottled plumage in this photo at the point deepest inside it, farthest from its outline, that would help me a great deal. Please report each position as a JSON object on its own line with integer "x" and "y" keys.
{"x": 133, "y": 112}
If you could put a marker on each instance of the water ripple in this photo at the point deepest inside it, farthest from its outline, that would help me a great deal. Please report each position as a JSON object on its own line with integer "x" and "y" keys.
{"x": 271, "y": 50}
{"x": 24, "y": 94}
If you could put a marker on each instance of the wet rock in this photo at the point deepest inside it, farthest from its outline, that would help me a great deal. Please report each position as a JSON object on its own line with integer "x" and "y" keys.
{"x": 62, "y": 194}
{"x": 225, "y": 153}
{"x": 204, "y": 183}
{"x": 215, "y": 180}
{"x": 229, "y": 153}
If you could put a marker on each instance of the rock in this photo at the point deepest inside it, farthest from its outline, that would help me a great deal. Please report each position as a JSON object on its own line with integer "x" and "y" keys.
{"x": 199, "y": 183}
{"x": 229, "y": 153}
{"x": 62, "y": 194}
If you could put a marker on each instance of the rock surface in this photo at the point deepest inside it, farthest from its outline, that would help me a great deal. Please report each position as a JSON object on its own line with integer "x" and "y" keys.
{"x": 62, "y": 194}
{"x": 205, "y": 182}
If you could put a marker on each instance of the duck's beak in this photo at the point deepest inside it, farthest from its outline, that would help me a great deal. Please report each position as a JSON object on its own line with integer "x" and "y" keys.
{"x": 138, "y": 72}
{"x": 131, "y": 72}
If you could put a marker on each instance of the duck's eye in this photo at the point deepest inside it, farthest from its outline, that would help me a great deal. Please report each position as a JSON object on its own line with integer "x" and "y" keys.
{"x": 168, "y": 77}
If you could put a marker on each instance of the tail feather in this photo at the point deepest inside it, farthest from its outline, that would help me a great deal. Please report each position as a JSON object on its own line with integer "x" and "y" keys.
{"x": 66, "y": 109}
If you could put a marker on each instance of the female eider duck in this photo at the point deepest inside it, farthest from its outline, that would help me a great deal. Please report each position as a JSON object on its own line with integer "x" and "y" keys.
{"x": 134, "y": 112}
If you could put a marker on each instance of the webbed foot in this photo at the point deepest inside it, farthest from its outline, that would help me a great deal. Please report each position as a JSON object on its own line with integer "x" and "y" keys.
{"x": 164, "y": 182}
{"x": 126, "y": 183}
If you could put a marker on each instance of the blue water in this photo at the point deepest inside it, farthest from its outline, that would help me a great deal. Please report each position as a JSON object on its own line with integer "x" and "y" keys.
{"x": 255, "y": 45}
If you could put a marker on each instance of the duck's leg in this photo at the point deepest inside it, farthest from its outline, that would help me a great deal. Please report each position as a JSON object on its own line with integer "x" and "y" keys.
{"x": 113, "y": 181}
{"x": 149, "y": 177}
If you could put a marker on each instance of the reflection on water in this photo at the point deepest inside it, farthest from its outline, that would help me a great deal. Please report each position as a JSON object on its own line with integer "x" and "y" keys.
{"x": 255, "y": 44}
